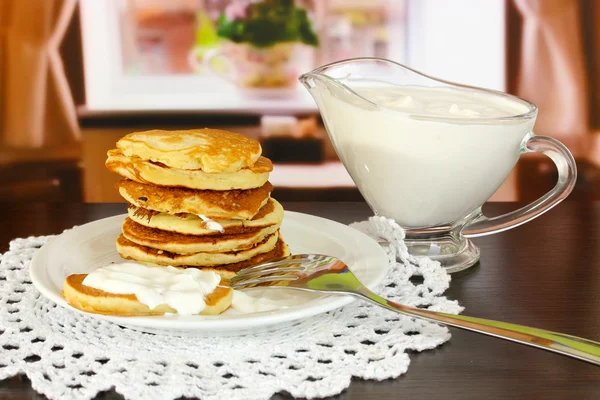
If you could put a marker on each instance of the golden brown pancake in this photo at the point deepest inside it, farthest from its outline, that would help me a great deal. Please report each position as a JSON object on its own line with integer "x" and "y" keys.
{"x": 145, "y": 171}
{"x": 227, "y": 271}
{"x": 98, "y": 301}
{"x": 185, "y": 244}
{"x": 270, "y": 214}
{"x": 133, "y": 251}
{"x": 211, "y": 150}
{"x": 229, "y": 204}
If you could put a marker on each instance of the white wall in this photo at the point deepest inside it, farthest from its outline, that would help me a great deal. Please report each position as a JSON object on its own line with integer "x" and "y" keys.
{"x": 458, "y": 40}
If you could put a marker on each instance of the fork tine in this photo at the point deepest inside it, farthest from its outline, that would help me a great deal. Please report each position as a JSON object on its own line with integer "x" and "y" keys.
{"x": 244, "y": 282}
{"x": 269, "y": 264}
{"x": 279, "y": 262}
{"x": 265, "y": 272}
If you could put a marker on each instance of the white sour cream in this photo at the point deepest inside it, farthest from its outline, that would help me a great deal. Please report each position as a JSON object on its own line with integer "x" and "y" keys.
{"x": 246, "y": 304}
{"x": 211, "y": 224}
{"x": 425, "y": 156}
{"x": 182, "y": 289}
{"x": 442, "y": 102}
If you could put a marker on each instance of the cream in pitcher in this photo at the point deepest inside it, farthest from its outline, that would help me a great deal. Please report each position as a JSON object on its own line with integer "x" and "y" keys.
{"x": 409, "y": 163}
{"x": 429, "y": 153}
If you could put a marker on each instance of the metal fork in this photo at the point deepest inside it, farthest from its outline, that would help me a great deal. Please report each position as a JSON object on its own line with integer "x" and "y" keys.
{"x": 321, "y": 273}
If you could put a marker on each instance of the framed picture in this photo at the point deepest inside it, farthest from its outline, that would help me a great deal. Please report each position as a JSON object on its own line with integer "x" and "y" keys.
{"x": 163, "y": 56}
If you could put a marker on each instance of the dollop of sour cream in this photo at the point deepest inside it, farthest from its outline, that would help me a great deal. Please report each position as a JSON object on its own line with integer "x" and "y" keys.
{"x": 211, "y": 224}
{"x": 182, "y": 289}
{"x": 441, "y": 102}
{"x": 245, "y": 304}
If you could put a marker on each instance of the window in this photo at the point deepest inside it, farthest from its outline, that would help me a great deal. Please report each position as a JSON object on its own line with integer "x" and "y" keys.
{"x": 154, "y": 55}
{"x": 165, "y": 55}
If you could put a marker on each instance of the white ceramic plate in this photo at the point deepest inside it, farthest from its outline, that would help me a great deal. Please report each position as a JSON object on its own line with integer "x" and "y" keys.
{"x": 87, "y": 247}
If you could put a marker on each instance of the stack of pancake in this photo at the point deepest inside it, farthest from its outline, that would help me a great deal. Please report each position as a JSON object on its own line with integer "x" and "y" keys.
{"x": 197, "y": 198}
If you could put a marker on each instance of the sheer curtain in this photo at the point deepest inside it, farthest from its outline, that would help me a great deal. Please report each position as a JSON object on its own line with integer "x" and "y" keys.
{"x": 553, "y": 66}
{"x": 37, "y": 108}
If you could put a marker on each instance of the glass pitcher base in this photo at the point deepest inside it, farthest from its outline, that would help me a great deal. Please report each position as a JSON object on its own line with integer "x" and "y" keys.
{"x": 453, "y": 254}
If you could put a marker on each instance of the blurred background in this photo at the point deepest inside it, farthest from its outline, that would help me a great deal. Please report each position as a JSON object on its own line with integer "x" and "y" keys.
{"x": 77, "y": 75}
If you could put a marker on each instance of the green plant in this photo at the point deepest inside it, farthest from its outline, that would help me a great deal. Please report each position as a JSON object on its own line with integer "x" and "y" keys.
{"x": 266, "y": 23}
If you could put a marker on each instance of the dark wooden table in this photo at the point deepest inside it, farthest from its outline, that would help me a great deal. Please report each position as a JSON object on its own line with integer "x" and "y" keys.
{"x": 545, "y": 274}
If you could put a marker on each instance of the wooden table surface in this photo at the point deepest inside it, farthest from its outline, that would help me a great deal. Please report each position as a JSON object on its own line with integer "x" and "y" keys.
{"x": 545, "y": 273}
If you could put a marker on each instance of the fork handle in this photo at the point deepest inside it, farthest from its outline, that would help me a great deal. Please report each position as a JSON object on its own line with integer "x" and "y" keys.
{"x": 568, "y": 345}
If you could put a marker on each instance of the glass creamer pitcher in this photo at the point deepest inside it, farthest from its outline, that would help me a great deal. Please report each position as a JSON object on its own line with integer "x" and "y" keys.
{"x": 429, "y": 153}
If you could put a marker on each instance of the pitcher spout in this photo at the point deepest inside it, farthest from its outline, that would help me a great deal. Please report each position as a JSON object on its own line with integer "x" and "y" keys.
{"x": 385, "y": 85}
{"x": 311, "y": 79}
{"x": 344, "y": 80}
{"x": 322, "y": 78}
{"x": 336, "y": 79}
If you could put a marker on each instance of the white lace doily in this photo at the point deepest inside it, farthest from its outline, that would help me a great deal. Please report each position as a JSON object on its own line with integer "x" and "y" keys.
{"x": 67, "y": 355}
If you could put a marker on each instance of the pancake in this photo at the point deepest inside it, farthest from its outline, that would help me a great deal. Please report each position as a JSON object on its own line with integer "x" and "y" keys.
{"x": 230, "y": 204}
{"x": 133, "y": 251}
{"x": 211, "y": 150}
{"x": 190, "y": 224}
{"x": 228, "y": 271}
{"x": 145, "y": 171}
{"x": 185, "y": 244}
{"x": 96, "y": 301}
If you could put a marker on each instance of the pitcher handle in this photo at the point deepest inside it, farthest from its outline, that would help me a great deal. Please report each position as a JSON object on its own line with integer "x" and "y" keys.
{"x": 567, "y": 176}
